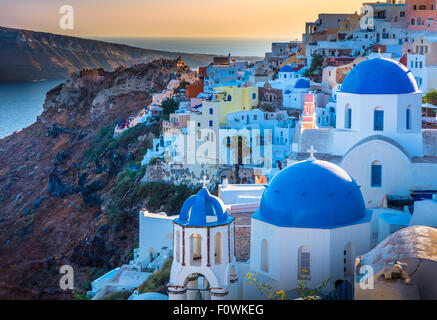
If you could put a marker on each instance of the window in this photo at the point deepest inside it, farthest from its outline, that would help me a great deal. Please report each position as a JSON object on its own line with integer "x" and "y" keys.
{"x": 376, "y": 175}
{"x": 210, "y": 123}
{"x": 211, "y": 111}
{"x": 348, "y": 117}
{"x": 264, "y": 255}
{"x": 195, "y": 249}
{"x": 229, "y": 98}
{"x": 304, "y": 264}
{"x": 378, "y": 120}
{"x": 349, "y": 260}
{"x": 253, "y": 96}
{"x": 218, "y": 245}
{"x": 178, "y": 244}
{"x": 408, "y": 118}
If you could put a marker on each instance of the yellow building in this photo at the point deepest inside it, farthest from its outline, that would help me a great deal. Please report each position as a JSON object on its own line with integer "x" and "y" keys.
{"x": 225, "y": 100}
{"x": 231, "y": 99}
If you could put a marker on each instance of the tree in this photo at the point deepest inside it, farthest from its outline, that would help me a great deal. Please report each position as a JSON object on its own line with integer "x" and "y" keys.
{"x": 430, "y": 97}
{"x": 266, "y": 107}
{"x": 316, "y": 67}
{"x": 240, "y": 148}
{"x": 169, "y": 105}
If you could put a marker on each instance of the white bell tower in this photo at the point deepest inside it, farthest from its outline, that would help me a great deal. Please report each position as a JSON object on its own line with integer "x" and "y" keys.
{"x": 203, "y": 250}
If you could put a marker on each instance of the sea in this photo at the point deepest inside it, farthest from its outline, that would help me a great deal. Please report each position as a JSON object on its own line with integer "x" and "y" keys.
{"x": 254, "y": 47}
{"x": 21, "y": 102}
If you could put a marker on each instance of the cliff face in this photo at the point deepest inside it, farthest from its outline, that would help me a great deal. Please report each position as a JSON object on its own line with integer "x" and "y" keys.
{"x": 29, "y": 55}
{"x": 55, "y": 176}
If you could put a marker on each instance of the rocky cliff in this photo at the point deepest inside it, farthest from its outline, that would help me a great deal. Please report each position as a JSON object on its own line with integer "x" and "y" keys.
{"x": 69, "y": 192}
{"x": 29, "y": 55}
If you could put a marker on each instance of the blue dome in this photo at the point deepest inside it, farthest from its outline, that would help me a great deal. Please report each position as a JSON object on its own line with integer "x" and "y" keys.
{"x": 379, "y": 76}
{"x": 203, "y": 210}
{"x": 286, "y": 68}
{"x": 302, "y": 84}
{"x": 312, "y": 194}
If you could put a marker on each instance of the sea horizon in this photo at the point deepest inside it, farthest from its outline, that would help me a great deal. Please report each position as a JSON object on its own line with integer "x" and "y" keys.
{"x": 243, "y": 47}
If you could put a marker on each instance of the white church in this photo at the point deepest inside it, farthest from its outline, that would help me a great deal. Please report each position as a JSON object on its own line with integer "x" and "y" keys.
{"x": 378, "y": 137}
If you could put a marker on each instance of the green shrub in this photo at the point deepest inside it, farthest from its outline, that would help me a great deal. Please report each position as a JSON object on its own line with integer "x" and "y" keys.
{"x": 169, "y": 105}
{"x": 119, "y": 295}
{"x": 103, "y": 140}
{"x": 131, "y": 135}
{"x": 96, "y": 273}
{"x": 157, "y": 282}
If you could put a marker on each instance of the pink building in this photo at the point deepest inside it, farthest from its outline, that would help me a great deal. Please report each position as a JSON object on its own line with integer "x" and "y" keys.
{"x": 421, "y": 14}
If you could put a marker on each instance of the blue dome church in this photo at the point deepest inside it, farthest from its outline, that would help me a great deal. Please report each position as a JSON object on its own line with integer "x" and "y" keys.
{"x": 311, "y": 224}
{"x": 378, "y": 136}
{"x": 203, "y": 250}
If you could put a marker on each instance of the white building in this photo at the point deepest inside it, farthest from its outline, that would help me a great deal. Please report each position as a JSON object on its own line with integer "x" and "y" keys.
{"x": 378, "y": 137}
{"x": 253, "y": 125}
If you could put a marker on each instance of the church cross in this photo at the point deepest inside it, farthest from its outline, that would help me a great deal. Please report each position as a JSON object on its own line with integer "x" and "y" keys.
{"x": 312, "y": 151}
{"x": 204, "y": 181}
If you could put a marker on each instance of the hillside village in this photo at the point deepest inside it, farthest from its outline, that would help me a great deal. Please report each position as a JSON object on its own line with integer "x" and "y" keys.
{"x": 237, "y": 179}
{"x": 328, "y": 144}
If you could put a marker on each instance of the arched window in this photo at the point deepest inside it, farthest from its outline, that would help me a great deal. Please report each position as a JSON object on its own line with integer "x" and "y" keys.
{"x": 177, "y": 246}
{"x": 229, "y": 98}
{"x": 349, "y": 257}
{"x": 218, "y": 245}
{"x": 196, "y": 249}
{"x": 264, "y": 255}
{"x": 348, "y": 117}
{"x": 413, "y": 22}
{"x": 304, "y": 263}
{"x": 419, "y": 21}
{"x": 408, "y": 118}
{"x": 376, "y": 174}
{"x": 378, "y": 119}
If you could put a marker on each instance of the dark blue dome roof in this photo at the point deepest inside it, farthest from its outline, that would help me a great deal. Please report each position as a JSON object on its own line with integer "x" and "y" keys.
{"x": 379, "y": 76}
{"x": 302, "y": 84}
{"x": 286, "y": 68}
{"x": 202, "y": 210}
{"x": 312, "y": 194}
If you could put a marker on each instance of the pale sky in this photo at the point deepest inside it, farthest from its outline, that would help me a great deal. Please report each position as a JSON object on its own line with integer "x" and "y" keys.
{"x": 173, "y": 18}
